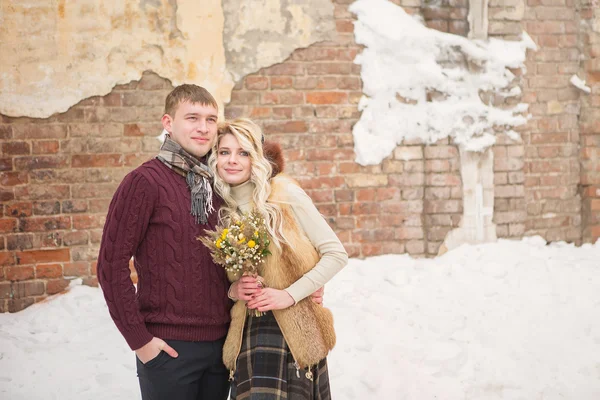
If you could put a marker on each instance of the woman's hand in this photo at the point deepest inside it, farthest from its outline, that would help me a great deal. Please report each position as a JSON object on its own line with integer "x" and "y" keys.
{"x": 317, "y": 297}
{"x": 270, "y": 299}
{"x": 245, "y": 287}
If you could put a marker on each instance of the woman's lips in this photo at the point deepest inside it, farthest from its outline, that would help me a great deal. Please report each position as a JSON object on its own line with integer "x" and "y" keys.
{"x": 232, "y": 171}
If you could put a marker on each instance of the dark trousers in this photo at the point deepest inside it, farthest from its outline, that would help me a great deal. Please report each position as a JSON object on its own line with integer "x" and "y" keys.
{"x": 197, "y": 374}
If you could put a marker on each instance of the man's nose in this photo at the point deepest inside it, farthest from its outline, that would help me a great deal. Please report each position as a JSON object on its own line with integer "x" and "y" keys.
{"x": 202, "y": 126}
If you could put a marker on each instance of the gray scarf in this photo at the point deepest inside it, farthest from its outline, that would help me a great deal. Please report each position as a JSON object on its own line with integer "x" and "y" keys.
{"x": 197, "y": 176}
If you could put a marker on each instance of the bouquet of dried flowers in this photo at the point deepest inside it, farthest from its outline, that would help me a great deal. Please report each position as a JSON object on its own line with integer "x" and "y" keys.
{"x": 240, "y": 247}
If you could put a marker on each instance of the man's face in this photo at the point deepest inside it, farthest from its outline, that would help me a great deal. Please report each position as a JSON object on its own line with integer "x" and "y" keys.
{"x": 193, "y": 127}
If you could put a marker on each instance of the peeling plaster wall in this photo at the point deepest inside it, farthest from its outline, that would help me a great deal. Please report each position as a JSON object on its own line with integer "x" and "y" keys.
{"x": 256, "y": 37}
{"x": 57, "y": 53}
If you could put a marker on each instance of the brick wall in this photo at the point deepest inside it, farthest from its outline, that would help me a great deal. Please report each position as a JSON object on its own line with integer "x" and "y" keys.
{"x": 551, "y": 139}
{"x": 590, "y": 122}
{"x": 57, "y": 175}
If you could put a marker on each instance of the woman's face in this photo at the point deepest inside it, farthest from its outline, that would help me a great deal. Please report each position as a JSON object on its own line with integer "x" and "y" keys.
{"x": 233, "y": 162}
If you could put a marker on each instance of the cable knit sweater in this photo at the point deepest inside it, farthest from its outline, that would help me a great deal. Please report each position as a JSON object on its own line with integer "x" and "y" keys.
{"x": 181, "y": 294}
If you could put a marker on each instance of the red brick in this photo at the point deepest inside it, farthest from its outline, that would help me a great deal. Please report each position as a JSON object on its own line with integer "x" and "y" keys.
{"x": 322, "y": 182}
{"x": 96, "y": 160}
{"x": 135, "y": 160}
{"x": 133, "y": 130}
{"x": 5, "y": 131}
{"x": 8, "y": 225}
{"x": 40, "y": 224}
{"x": 344, "y": 26}
{"x": 327, "y": 82}
{"x": 45, "y": 271}
{"x": 92, "y": 281}
{"x": 74, "y": 238}
{"x": 260, "y": 112}
{"x": 54, "y": 286}
{"x": 344, "y": 195}
{"x": 15, "y": 148}
{"x": 286, "y": 98}
{"x": 39, "y": 131}
{"x": 74, "y": 206}
{"x": 41, "y": 162}
{"x": 21, "y": 273}
{"x": 438, "y": 25}
{"x": 45, "y": 146}
{"x": 285, "y": 127}
{"x": 28, "y": 289}
{"x": 42, "y": 192}
{"x": 281, "y": 82}
{"x": 99, "y": 205}
{"x": 329, "y": 69}
{"x": 80, "y": 268}
{"x": 13, "y": 178}
{"x": 88, "y": 221}
{"x": 7, "y": 258}
{"x": 47, "y": 239}
{"x": 329, "y": 154}
{"x": 46, "y": 207}
{"x": 285, "y": 69}
{"x": 91, "y": 191}
{"x": 257, "y": 82}
{"x": 7, "y": 195}
{"x": 15, "y": 305}
{"x": 326, "y": 97}
{"x": 282, "y": 112}
{"x": 6, "y": 164}
{"x": 19, "y": 241}
{"x": 42, "y": 256}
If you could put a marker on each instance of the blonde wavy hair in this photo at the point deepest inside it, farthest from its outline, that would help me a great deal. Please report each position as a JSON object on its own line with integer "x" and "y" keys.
{"x": 250, "y": 138}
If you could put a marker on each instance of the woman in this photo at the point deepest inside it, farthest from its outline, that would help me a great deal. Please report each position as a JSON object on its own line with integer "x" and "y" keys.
{"x": 281, "y": 354}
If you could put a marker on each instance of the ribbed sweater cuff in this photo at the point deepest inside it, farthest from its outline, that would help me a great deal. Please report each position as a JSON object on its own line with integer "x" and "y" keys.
{"x": 137, "y": 336}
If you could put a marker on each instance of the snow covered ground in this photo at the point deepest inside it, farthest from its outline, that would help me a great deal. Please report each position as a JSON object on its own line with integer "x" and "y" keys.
{"x": 510, "y": 320}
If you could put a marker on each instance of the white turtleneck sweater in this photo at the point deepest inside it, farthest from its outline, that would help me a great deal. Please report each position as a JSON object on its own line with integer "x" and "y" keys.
{"x": 333, "y": 255}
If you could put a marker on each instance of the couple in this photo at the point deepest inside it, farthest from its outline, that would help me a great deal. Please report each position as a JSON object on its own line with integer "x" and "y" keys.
{"x": 189, "y": 340}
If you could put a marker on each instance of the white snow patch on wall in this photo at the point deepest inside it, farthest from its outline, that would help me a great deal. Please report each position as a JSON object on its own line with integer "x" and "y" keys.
{"x": 406, "y": 65}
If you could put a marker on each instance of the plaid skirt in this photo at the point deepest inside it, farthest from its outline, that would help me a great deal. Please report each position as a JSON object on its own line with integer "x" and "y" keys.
{"x": 266, "y": 368}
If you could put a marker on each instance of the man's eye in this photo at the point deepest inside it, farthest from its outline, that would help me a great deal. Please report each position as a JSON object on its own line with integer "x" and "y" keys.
{"x": 213, "y": 120}
{"x": 192, "y": 118}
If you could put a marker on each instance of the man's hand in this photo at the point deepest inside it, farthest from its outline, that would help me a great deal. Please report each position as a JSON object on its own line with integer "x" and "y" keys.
{"x": 245, "y": 287}
{"x": 153, "y": 348}
{"x": 317, "y": 297}
{"x": 271, "y": 299}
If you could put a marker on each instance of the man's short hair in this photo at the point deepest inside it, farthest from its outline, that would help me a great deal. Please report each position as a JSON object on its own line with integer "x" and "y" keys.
{"x": 188, "y": 92}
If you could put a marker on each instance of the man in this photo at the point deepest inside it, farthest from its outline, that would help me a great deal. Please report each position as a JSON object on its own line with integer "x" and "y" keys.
{"x": 177, "y": 320}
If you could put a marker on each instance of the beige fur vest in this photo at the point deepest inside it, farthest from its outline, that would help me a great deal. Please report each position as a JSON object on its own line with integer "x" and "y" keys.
{"x": 307, "y": 327}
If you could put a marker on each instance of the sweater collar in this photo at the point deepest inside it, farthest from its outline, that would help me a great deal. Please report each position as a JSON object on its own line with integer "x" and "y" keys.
{"x": 242, "y": 194}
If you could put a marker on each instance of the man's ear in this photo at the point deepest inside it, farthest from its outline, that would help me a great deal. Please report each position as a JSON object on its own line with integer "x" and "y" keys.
{"x": 166, "y": 122}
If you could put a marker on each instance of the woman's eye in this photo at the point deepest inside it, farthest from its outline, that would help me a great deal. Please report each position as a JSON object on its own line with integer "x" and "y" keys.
{"x": 244, "y": 153}
{"x": 223, "y": 152}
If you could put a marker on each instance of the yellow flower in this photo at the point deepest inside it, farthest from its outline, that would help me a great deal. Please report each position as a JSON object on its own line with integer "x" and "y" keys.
{"x": 251, "y": 243}
{"x": 256, "y": 233}
{"x": 241, "y": 241}
{"x": 218, "y": 243}
{"x": 224, "y": 234}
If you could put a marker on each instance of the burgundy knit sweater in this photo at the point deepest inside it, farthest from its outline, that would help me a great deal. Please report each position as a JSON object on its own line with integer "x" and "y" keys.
{"x": 181, "y": 294}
